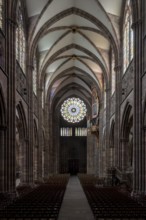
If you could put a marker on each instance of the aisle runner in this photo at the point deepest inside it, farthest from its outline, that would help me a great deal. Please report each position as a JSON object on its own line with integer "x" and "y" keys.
{"x": 75, "y": 205}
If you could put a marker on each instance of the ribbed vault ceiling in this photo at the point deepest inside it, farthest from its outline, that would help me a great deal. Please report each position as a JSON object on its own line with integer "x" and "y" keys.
{"x": 73, "y": 38}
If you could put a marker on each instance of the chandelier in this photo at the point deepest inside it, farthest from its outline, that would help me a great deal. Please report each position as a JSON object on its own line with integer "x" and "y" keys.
{"x": 73, "y": 110}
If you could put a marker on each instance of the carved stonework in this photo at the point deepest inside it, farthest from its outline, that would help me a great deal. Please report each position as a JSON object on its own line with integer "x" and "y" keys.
{"x": 128, "y": 81}
{"x": 21, "y": 84}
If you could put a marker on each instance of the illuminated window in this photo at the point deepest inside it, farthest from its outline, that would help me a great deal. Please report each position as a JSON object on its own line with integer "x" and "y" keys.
{"x": 73, "y": 110}
{"x": 128, "y": 38}
{"x": 20, "y": 40}
{"x": 113, "y": 74}
{"x": 80, "y": 131}
{"x": 1, "y": 13}
{"x": 66, "y": 132}
{"x": 35, "y": 76}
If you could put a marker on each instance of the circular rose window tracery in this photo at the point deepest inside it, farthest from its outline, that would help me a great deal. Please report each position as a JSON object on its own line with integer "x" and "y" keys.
{"x": 73, "y": 110}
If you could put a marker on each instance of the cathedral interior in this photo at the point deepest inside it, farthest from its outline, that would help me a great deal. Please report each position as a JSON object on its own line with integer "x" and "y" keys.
{"x": 73, "y": 109}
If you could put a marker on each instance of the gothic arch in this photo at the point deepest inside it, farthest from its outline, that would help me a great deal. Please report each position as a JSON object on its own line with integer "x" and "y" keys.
{"x": 127, "y": 117}
{"x": 21, "y": 136}
{"x": 127, "y": 142}
{"x": 22, "y": 119}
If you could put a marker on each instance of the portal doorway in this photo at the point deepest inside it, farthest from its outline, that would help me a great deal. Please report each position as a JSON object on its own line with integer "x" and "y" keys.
{"x": 73, "y": 166}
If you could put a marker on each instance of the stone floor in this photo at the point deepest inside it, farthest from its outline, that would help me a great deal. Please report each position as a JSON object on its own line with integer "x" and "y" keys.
{"x": 75, "y": 205}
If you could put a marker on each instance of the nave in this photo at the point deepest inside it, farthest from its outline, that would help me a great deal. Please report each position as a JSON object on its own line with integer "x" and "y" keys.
{"x": 71, "y": 197}
{"x": 75, "y": 205}
{"x": 72, "y": 101}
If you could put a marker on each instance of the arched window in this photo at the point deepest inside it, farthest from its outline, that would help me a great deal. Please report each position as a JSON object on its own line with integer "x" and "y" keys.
{"x": 35, "y": 76}
{"x": 128, "y": 37}
{"x": 20, "y": 39}
{"x": 113, "y": 74}
{"x": 1, "y": 13}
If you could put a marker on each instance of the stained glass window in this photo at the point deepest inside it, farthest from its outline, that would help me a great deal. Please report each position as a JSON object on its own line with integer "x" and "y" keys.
{"x": 128, "y": 38}
{"x": 113, "y": 74}
{"x": 35, "y": 76}
{"x": 80, "y": 131}
{"x": 66, "y": 132}
{"x": 1, "y": 14}
{"x": 20, "y": 40}
{"x": 73, "y": 110}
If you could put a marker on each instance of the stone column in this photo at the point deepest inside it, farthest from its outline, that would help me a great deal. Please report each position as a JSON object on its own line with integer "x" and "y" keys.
{"x": 47, "y": 142}
{"x": 2, "y": 155}
{"x": 100, "y": 156}
{"x": 91, "y": 144}
{"x": 143, "y": 79}
{"x": 51, "y": 162}
{"x": 117, "y": 116}
{"x": 108, "y": 98}
{"x": 56, "y": 141}
{"x": 26, "y": 165}
{"x": 123, "y": 148}
{"x": 30, "y": 126}
{"x": 137, "y": 144}
{"x": 96, "y": 155}
{"x": 144, "y": 162}
{"x": 40, "y": 134}
{"x": 9, "y": 163}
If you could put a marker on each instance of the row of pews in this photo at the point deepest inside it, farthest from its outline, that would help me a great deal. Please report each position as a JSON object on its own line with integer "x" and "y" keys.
{"x": 109, "y": 202}
{"x": 42, "y": 202}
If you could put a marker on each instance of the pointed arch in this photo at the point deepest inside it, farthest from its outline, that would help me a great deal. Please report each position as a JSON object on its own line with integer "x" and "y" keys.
{"x": 20, "y": 150}
{"x": 127, "y": 143}
{"x": 127, "y": 118}
{"x": 20, "y": 116}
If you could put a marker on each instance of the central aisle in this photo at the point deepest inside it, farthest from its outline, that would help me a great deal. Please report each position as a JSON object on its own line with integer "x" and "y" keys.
{"x": 75, "y": 205}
